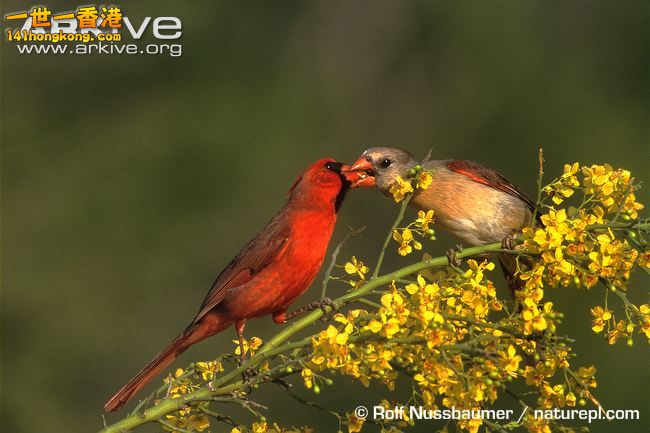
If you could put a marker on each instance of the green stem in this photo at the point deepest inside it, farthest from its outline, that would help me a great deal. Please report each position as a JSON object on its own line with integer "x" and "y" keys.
{"x": 335, "y": 254}
{"x": 539, "y": 187}
{"x": 398, "y": 220}
{"x": 277, "y": 345}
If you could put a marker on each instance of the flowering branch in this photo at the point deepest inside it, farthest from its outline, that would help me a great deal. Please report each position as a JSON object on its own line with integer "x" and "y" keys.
{"x": 232, "y": 382}
{"x": 444, "y": 329}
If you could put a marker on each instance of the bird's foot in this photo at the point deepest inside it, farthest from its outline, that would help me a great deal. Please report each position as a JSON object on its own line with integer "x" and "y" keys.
{"x": 454, "y": 261}
{"x": 248, "y": 374}
{"x": 323, "y": 304}
{"x": 506, "y": 243}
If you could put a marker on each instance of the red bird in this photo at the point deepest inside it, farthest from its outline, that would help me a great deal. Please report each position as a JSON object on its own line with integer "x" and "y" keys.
{"x": 474, "y": 203}
{"x": 268, "y": 274}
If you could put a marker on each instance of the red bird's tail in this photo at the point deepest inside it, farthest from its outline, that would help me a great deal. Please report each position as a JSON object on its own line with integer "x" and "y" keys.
{"x": 191, "y": 335}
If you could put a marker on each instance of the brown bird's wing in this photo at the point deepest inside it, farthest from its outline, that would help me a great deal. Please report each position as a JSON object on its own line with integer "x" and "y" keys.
{"x": 254, "y": 257}
{"x": 489, "y": 177}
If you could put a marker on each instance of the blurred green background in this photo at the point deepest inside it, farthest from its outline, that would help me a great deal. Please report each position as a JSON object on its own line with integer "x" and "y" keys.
{"x": 128, "y": 182}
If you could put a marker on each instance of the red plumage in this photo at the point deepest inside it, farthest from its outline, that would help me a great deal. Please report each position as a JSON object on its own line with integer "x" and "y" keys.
{"x": 269, "y": 273}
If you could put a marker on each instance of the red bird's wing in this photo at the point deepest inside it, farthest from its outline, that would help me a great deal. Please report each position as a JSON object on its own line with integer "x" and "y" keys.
{"x": 489, "y": 177}
{"x": 254, "y": 257}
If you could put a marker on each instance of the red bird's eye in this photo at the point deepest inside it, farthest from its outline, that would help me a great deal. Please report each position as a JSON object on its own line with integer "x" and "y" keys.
{"x": 334, "y": 166}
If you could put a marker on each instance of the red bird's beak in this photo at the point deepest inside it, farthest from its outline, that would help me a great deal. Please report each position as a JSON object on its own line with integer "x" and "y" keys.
{"x": 360, "y": 174}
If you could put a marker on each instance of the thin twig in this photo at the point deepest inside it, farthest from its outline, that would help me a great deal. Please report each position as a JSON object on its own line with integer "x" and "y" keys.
{"x": 173, "y": 428}
{"x": 351, "y": 234}
{"x": 398, "y": 220}
{"x": 217, "y": 416}
{"x": 231, "y": 381}
{"x": 540, "y": 176}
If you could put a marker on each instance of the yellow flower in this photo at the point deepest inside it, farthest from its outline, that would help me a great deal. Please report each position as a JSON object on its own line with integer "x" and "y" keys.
{"x": 602, "y": 316}
{"x": 191, "y": 422}
{"x": 424, "y": 219}
{"x": 564, "y": 187}
{"x": 400, "y": 189}
{"x": 620, "y": 330}
{"x": 198, "y": 422}
{"x": 422, "y": 286}
{"x": 570, "y": 399}
{"x": 534, "y": 319}
{"x": 354, "y": 423}
{"x": 251, "y": 346}
{"x": 644, "y": 259}
{"x": 512, "y": 361}
{"x": 207, "y": 370}
{"x": 423, "y": 180}
{"x": 609, "y": 187}
{"x": 355, "y": 266}
{"x": 259, "y": 427}
{"x": 308, "y": 377}
{"x": 406, "y": 241}
{"x": 631, "y": 206}
{"x": 375, "y": 326}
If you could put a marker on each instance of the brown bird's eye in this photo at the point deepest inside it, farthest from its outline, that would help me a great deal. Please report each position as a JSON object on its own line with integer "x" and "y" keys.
{"x": 385, "y": 163}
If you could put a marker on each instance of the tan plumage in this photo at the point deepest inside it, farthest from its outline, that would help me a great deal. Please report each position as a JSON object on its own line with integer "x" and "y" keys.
{"x": 472, "y": 202}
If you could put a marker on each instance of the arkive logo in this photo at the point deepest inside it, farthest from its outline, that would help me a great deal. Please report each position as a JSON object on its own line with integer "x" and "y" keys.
{"x": 95, "y": 29}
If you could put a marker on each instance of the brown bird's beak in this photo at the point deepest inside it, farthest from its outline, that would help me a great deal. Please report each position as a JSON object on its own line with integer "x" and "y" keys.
{"x": 360, "y": 174}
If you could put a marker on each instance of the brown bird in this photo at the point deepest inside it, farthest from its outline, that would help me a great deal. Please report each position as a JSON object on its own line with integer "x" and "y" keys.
{"x": 472, "y": 202}
{"x": 269, "y": 273}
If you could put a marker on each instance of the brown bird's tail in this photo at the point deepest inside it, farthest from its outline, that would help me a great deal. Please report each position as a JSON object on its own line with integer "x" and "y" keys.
{"x": 509, "y": 267}
{"x": 191, "y": 335}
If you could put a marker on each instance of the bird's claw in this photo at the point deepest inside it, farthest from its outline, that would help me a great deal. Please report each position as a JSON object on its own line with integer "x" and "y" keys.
{"x": 248, "y": 374}
{"x": 506, "y": 243}
{"x": 451, "y": 255}
{"x": 323, "y": 304}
